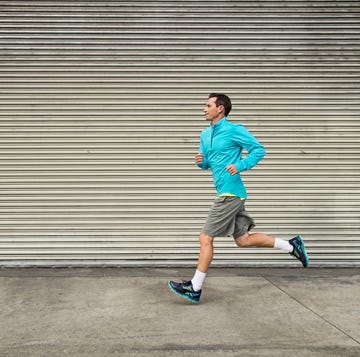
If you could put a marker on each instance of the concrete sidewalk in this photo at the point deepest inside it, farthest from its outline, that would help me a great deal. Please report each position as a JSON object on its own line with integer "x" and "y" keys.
{"x": 131, "y": 312}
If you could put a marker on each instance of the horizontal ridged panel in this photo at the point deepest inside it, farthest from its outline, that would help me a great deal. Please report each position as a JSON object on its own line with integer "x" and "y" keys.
{"x": 101, "y": 110}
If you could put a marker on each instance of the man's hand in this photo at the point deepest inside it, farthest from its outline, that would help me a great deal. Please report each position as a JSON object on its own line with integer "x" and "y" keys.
{"x": 199, "y": 158}
{"x": 232, "y": 170}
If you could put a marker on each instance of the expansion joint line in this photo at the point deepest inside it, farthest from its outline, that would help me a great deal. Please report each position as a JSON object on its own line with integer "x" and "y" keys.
{"x": 311, "y": 310}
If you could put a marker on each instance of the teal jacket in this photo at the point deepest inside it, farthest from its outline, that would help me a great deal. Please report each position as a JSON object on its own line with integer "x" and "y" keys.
{"x": 223, "y": 145}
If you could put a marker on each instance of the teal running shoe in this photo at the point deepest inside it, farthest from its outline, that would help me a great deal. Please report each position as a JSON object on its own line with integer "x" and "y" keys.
{"x": 185, "y": 290}
{"x": 299, "y": 251}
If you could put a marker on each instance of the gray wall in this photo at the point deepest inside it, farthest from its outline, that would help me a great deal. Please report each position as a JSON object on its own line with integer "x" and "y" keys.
{"x": 101, "y": 111}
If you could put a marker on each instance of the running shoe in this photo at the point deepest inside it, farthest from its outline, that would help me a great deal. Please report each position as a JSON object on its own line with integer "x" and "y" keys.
{"x": 186, "y": 290}
{"x": 299, "y": 251}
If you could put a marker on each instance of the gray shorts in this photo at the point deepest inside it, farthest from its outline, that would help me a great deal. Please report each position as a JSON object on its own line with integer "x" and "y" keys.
{"x": 227, "y": 217}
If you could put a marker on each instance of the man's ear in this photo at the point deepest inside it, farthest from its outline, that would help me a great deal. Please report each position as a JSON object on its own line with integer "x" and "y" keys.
{"x": 221, "y": 108}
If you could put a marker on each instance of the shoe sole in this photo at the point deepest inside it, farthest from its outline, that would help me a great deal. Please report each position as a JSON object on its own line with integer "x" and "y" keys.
{"x": 302, "y": 246}
{"x": 183, "y": 296}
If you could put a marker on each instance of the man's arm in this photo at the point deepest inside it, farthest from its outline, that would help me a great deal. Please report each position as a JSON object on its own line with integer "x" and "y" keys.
{"x": 255, "y": 150}
{"x": 200, "y": 158}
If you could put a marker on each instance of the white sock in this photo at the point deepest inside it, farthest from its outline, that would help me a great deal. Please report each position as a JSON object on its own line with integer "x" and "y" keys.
{"x": 283, "y": 245}
{"x": 198, "y": 280}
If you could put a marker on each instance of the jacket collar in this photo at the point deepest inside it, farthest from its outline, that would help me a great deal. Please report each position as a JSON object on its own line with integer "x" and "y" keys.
{"x": 220, "y": 122}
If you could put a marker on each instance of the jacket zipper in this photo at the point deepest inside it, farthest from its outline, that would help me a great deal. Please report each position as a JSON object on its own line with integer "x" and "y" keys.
{"x": 212, "y": 136}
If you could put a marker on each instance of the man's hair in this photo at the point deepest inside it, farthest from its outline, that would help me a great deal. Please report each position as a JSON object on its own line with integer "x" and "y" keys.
{"x": 222, "y": 99}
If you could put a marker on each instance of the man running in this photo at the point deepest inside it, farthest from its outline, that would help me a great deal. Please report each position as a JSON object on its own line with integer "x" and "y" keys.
{"x": 221, "y": 147}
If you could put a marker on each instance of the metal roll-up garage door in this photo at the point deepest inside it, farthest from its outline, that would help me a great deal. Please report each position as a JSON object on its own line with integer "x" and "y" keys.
{"x": 101, "y": 111}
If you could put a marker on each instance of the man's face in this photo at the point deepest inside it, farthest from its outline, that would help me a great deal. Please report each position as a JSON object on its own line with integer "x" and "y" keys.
{"x": 212, "y": 112}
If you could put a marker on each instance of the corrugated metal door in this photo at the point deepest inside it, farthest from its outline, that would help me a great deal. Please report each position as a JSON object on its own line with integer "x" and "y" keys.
{"x": 101, "y": 110}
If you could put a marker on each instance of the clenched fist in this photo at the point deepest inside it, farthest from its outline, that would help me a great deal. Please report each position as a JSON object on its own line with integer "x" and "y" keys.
{"x": 199, "y": 158}
{"x": 232, "y": 170}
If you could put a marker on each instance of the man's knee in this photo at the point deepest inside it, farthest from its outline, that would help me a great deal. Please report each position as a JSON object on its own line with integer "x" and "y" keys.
{"x": 205, "y": 239}
{"x": 243, "y": 241}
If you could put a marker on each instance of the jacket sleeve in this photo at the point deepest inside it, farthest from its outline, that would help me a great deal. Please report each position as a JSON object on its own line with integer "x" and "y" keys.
{"x": 205, "y": 164}
{"x": 247, "y": 141}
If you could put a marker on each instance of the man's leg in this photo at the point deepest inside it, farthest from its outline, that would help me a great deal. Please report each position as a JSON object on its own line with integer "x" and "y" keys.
{"x": 206, "y": 252}
{"x": 204, "y": 261}
{"x": 255, "y": 240}
{"x": 191, "y": 290}
{"x": 294, "y": 246}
